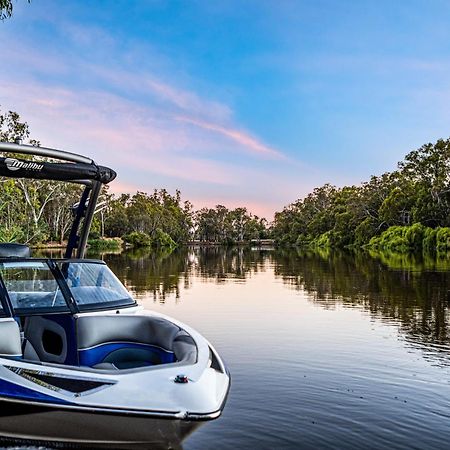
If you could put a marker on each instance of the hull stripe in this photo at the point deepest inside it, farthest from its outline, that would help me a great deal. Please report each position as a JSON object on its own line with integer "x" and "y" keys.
{"x": 16, "y": 391}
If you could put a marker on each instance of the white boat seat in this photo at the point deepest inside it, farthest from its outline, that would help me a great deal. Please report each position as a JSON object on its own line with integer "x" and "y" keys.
{"x": 127, "y": 342}
{"x": 12, "y": 250}
{"x": 10, "y": 341}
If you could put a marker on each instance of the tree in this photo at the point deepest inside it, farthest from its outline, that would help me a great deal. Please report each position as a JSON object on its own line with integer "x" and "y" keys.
{"x": 6, "y": 8}
{"x": 429, "y": 169}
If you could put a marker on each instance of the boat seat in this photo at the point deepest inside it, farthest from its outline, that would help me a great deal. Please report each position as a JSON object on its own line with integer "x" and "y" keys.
{"x": 114, "y": 366}
{"x": 105, "y": 366}
{"x": 128, "y": 341}
{"x": 46, "y": 340}
{"x": 10, "y": 250}
{"x": 10, "y": 341}
{"x": 29, "y": 352}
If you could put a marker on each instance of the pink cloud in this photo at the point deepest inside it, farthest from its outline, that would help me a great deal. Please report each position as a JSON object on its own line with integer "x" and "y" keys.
{"x": 241, "y": 137}
{"x": 178, "y": 104}
{"x": 190, "y": 101}
{"x": 120, "y": 187}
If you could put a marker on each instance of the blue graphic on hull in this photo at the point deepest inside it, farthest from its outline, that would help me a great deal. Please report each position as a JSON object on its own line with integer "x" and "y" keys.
{"x": 16, "y": 391}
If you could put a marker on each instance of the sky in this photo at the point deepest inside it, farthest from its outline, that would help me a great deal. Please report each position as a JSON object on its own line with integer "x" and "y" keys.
{"x": 241, "y": 103}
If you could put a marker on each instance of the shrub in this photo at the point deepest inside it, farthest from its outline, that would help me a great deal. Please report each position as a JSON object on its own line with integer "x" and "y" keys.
{"x": 443, "y": 239}
{"x": 365, "y": 231}
{"x": 105, "y": 243}
{"x": 138, "y": 239}
{"x": 429, "y": 242}
{"x": 11, "y": 234}
{"x": 323, "y": 241}
{"x": 414, "y": 235}
{"x": 399, "y": 239}
{"x": 162, "y": 239}
{"x": 302, "y": 241}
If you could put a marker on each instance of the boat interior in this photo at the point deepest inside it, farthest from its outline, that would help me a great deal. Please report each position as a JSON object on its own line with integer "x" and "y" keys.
{"x": 102, "y": 341}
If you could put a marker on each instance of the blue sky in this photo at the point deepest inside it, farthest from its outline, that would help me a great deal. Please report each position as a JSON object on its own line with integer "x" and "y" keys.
{"x": 238, "y": 103}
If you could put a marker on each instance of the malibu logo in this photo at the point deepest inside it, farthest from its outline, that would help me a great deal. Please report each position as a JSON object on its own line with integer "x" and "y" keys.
{"x": 15, "y": 164}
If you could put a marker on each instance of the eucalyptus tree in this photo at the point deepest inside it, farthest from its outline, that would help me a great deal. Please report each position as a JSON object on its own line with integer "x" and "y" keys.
{"x": 6, "y": 8}
{"x": 429, "y": 169}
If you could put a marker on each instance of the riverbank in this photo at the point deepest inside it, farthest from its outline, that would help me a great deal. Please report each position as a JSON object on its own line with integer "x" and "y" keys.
{"x": 101, "y": 244}
{"x": 118, "y": 243}
{"x": 413, "y": 239}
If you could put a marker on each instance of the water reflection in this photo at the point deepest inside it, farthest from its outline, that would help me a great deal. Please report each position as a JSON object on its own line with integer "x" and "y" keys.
{"x": 417, "y": 300}
{"x": 414, "y": 295}
{"x": 148, "y": 272}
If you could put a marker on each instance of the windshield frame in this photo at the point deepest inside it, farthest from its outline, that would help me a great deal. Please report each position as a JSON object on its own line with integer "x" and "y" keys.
{"x": 71, "y": 305}
{"x": 126, "y": 302}
{"x": 4, "y": 300}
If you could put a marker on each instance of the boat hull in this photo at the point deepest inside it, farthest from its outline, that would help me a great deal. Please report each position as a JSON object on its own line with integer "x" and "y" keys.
{"x": 64, "y": 428}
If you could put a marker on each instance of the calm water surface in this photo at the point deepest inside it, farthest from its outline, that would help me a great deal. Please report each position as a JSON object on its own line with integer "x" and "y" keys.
{"x": 326, "y": 351}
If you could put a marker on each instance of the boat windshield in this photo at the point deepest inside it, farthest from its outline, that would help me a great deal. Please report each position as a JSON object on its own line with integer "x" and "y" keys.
{"x": 93, "y": 285}
{"x": 32, "y": 286}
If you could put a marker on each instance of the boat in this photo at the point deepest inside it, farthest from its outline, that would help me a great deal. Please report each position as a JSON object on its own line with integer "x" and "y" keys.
{"x": 81, "y": 362}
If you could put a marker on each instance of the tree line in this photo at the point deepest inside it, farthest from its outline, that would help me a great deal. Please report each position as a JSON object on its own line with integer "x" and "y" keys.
{"x": 39, "y": 211}
{"x": 403, "y": 210}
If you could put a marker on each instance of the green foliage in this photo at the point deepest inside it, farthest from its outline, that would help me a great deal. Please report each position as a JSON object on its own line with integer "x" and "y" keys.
{"x": 412, "y": 239}
{"x": 105, "y": 244}
{"x": 443, "y": 239}
{"x": 162, "y": 240}
{"x": 220, "y": 225}
{"x": 429, "y": 242}
{"x": 414, "y": 236}
{"x": 399, "y": 239}
{"x": 395, "y": 211}
{"x": 138, "y": 239}
{"x": 302, "y": 241}
{"x": 11, "y": 234}
{"x": 323, "y": 241}
{"x": 365, "y": 231}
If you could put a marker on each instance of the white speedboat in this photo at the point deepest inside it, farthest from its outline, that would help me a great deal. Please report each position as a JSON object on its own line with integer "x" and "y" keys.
{"x": 80, "y": 362}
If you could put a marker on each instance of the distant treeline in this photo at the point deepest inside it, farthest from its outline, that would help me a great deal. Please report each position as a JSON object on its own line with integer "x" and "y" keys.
{"x": 404, "y": 210}
{"x": 37, "y": 212}
{"x": 40, "y": 211}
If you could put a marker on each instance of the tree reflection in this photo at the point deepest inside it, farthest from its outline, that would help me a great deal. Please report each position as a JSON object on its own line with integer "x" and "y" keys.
{"x": 145, "y": 271}
{"x": 408, "y": 292}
